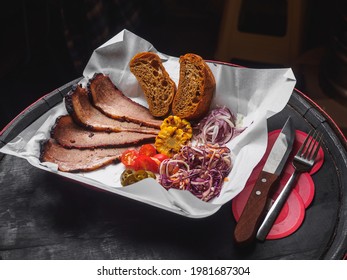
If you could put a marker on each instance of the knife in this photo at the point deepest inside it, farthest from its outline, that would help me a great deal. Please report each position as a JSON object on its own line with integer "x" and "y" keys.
{"x": 256, "y": 206}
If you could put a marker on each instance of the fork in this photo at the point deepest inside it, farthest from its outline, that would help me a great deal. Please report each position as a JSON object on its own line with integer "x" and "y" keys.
{"x": 303, "y": 162}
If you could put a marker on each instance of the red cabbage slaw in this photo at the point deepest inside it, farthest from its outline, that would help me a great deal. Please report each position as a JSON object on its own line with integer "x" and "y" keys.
{"x": 218, "y": 127}
{"x": 199, "y": 169}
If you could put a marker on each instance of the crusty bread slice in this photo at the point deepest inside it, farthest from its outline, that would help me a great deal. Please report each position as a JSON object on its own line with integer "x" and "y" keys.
{"x": 158, "y": 87}
{"x": 196, "y": 87}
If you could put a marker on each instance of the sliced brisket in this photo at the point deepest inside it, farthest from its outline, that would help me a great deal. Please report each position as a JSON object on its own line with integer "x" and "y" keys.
{"x": 112, "y": 102}
{"x": 70, "y": 135}
{"x": 76, "y": 160}
{"x": 85, "y": 114}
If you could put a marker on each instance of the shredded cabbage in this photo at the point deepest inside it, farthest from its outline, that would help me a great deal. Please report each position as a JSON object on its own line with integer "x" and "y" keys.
{"x": 198, "y": 169}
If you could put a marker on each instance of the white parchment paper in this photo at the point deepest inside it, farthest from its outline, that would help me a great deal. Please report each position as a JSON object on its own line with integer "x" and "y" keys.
{"x": 256, "y": 94}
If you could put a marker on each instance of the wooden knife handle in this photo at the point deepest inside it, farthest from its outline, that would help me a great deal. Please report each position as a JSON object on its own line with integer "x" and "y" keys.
{"x": 253, "y": 213}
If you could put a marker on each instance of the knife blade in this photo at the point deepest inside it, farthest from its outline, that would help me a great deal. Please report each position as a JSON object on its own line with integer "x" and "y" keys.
{"x": 256, "y": 206}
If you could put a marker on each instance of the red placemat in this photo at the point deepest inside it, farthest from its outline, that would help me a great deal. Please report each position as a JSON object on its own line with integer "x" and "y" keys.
{"x": 293, "y": 212}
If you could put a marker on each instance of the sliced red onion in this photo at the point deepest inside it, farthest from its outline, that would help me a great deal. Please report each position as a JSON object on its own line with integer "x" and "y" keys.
{"x": 218, "y": 127}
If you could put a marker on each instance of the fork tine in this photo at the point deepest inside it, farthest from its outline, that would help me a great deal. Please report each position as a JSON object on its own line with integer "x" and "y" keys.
{"x": 317, "y": 147}
{"x": 300, "y": 152}
{"x": 313, "y": 142}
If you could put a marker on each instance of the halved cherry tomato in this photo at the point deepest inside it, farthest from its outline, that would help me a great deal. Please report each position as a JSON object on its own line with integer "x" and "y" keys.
{"x": 160, "y": 157}
{"x": 128, "y": 158}
{"x": 147, "y": 150}
{"x": 146, "y": 163}
{"x": 156, "y": 161}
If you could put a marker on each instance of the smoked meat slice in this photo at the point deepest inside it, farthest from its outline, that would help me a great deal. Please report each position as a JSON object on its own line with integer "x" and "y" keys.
{"x": 70, "y": 135}
{"x": 76, "y": 160}
{"x": 112, "y": 102}
{"x": 82, "y": 111}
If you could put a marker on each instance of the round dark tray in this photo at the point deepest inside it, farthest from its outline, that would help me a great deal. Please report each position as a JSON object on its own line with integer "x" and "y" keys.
{"x": 44, "y": 216}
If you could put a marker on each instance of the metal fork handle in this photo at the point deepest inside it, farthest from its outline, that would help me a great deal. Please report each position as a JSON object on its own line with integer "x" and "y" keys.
{"x": 276, "y": 208}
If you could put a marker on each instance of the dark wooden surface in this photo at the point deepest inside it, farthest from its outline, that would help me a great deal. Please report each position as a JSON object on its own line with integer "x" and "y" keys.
{"x": 44, "y": 216}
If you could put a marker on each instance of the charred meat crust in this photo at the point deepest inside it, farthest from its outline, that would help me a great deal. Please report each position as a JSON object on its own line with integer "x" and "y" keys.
{"x": 70, "y": 106}
{"x": 68, "y": 100}
{"x": 55, "y": 125}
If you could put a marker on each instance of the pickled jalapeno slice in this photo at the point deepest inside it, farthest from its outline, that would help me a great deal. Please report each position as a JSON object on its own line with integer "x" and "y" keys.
{"x": 130, "y": 176}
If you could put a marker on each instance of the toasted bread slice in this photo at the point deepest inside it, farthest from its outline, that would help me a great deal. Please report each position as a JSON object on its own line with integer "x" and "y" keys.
{"x": 196, "y": 87}
{"x": 158, "y": 87}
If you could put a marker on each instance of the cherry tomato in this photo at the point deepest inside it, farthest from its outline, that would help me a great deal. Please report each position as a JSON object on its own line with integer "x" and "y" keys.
{"x": 160, "y": 157}
{"x": 146, "y": 163}
{"x": 128, "y": 158}
{"x": 147, "y": 150}
{"x": 156, "y": 161}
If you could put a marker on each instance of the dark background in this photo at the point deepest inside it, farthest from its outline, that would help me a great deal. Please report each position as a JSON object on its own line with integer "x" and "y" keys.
{"x": 45, "y": 44}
